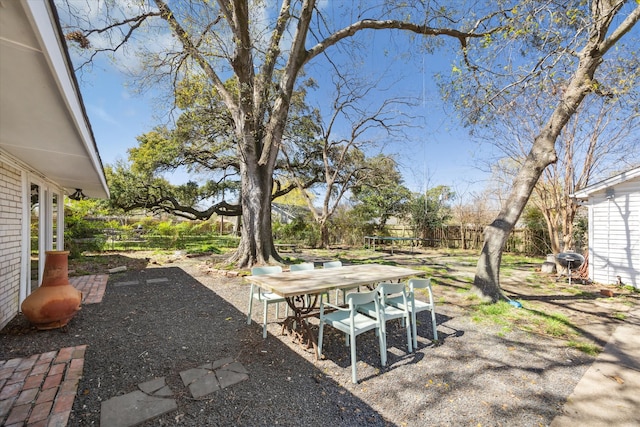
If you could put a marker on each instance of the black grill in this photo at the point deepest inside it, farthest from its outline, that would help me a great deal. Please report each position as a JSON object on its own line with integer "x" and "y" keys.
{"x": 570, "y": 260}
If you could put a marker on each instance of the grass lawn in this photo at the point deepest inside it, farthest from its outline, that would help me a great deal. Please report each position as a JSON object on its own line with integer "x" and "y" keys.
{"x": 577, "y": 314}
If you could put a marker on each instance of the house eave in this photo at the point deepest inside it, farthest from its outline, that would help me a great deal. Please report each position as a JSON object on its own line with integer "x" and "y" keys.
{"x": 589, "y": 191}
{"x": 42, "y": 118}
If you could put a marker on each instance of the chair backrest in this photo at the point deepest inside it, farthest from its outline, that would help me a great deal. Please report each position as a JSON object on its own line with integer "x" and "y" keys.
{"x": 332, "y": 264}
{"x": 268, "y": 269}
{"x": 419, "y": 284}
{"x": 385, "y": 289}
{"x": 302, "y": 266}
{"x": 355, "y": 299}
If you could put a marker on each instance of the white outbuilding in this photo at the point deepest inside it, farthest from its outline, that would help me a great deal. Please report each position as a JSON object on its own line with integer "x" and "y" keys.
{"x": 614, "y": 228}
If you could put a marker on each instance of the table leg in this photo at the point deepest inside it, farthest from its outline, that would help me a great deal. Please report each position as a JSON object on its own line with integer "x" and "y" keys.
{"x": 296, "y": 325}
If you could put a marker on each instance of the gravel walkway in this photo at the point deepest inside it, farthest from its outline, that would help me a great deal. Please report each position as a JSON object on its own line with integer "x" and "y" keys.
{"x": 147, "y": 328}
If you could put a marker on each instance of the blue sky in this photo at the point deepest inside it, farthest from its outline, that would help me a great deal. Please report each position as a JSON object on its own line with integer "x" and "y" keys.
{"x": 440, "y": 151}
{"x": 437, "y": 152}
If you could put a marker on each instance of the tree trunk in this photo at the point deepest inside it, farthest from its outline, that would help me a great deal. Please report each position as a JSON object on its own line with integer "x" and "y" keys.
{"x": 542, "y": 153}
{"x": 324, "y": 235}
{"x": 256, "y": 238}
{"x": 463, "y": 242}
{"x": 487, "y": 280}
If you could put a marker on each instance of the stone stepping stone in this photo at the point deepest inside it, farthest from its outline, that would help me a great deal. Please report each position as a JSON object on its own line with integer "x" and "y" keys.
{"x": 130, "y": 283}
{"x": 139, "y": 406}
{"x": 213, "y": 376}
{"x": 156, "y": 387}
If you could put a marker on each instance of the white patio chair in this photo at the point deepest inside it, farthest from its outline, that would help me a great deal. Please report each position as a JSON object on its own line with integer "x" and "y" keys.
{"x": 416, "y": 305}
{"x": 265, "y": 297}
{"x": 393, "y": 292}
{"x": 302, "y": 266}
{"x": 336, "y": 264}
{"x": 352, "y": 323}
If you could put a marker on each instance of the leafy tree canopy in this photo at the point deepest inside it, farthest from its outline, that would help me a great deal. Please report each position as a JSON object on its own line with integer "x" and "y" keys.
{"x": 202, "y": 143}
{"x": 383, "y": 196}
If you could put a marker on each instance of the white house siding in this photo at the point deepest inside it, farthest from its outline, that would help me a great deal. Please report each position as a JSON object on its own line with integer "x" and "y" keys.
{"x": 10, "y": 241}
{"x": 614, "y": 240}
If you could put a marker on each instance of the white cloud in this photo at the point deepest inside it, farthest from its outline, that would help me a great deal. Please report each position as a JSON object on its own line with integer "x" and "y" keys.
{"x": 102, "y": 114}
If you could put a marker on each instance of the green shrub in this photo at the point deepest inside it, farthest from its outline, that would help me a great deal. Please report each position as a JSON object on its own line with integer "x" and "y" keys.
{"x": 300, "y": 230}
{"x": 165, "y": 228}
{"x": 81, "y": 235}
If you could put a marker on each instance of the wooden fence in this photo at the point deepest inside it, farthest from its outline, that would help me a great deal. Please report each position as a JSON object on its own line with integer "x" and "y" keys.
{"x": 521, "y": 240}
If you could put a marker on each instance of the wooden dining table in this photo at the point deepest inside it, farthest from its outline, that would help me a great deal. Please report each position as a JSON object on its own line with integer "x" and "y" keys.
{"x": 301, "y": 290}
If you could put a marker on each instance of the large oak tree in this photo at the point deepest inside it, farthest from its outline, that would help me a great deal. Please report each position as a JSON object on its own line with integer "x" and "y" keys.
{"x": 265, "y": 51}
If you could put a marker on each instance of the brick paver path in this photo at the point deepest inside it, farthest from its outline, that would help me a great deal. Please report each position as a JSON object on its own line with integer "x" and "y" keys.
{"x": 91, "y": 286}
{"x": 39, "y": 390}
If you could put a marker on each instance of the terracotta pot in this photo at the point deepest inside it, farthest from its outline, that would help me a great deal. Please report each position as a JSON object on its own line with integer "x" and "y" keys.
{"x": 55, "y": 302}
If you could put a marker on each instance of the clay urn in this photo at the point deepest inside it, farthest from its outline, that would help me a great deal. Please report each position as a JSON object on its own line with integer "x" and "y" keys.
{"x": 55, "y": 302}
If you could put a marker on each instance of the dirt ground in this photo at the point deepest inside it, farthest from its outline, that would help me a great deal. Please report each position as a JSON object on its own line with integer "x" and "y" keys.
{"x": 591, "y": 315}
{"x": 517, "y": 367}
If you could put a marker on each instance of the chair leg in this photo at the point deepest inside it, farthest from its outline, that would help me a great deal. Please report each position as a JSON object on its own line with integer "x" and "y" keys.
{"x": 250, "y": 305}
{"x": 320, "y": 334}
{"x": 382, "y": 337}
{"x": 415, "y": 329}
{"x": 409, "y": 333}
{"x": 264, "y": 322}
{"x": 433, "y": 323}
{"x": 354, "y": 374}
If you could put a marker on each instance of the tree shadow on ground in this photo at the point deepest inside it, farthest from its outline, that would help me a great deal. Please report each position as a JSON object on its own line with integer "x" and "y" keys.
{"x": 148, "y": 327}
{"x": 337, "y": 351}
{"x": 161, "y": 327}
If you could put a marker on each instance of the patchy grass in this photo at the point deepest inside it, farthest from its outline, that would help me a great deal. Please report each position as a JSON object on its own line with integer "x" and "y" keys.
{"x": 548, "y": 306}
{"x": 207, "y": 249}
{"x": 500, "y": 313}
{"x": 472, "y": 296}
{"x": 580, "y": 293}
{"x": 585, "y": 347}
{"x": 520, "y": 261}
{"x": 555, "y": 328}
{"x": 532, "y": 320}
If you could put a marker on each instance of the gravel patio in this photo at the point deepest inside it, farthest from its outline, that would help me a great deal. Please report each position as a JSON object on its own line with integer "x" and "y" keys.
{"x": 178, "y": 314}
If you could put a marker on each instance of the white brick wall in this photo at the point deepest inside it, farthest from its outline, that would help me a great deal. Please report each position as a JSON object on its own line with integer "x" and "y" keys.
{"x": 10, "y": 241}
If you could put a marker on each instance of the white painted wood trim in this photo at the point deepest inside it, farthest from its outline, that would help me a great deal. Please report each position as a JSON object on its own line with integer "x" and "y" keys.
{"x": 25, "y": 268}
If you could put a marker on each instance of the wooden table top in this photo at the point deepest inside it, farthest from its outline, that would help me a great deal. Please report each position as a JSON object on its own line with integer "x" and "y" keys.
{"x": 308, "y": 282}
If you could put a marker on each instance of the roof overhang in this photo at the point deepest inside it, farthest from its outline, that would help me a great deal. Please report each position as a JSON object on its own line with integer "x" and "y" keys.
{"x": 43, "y": 122}
{"x": 587, "y": 192}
